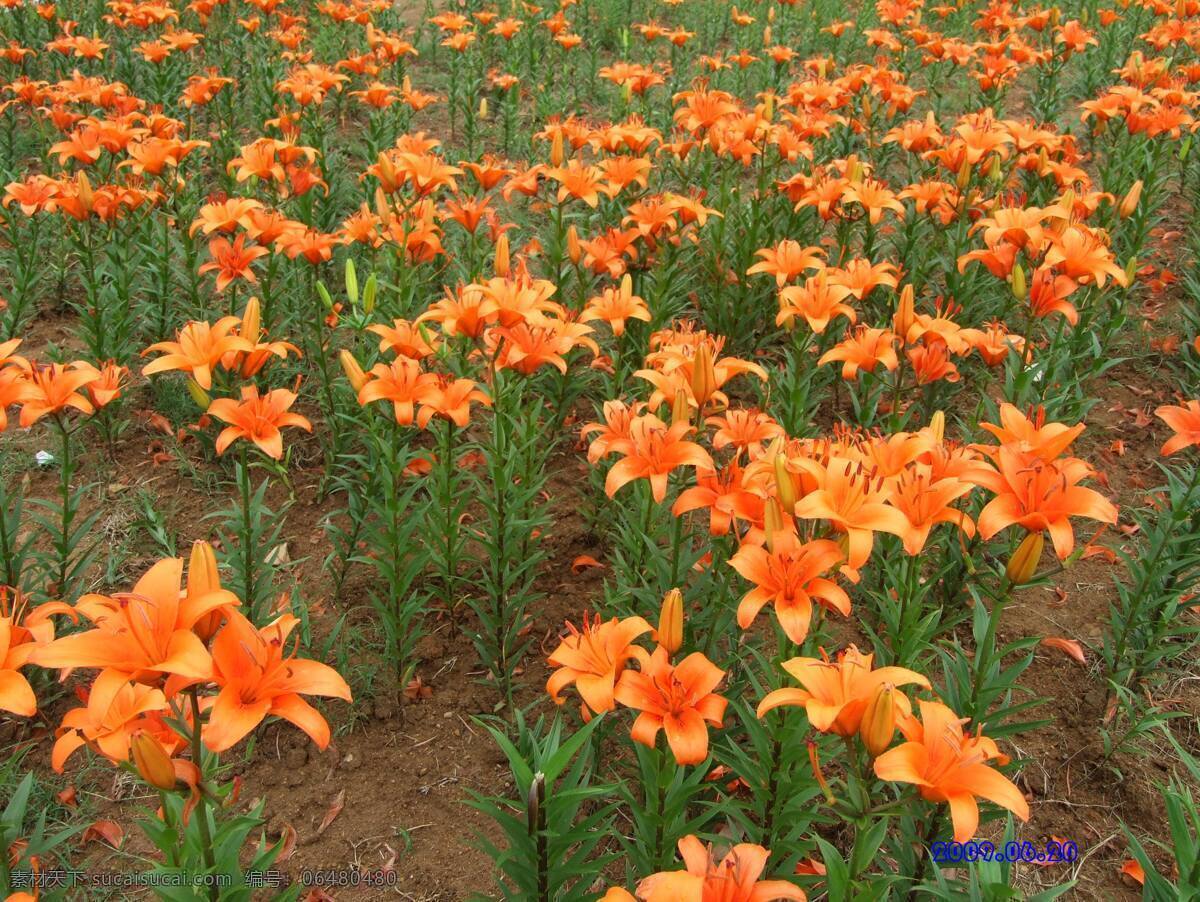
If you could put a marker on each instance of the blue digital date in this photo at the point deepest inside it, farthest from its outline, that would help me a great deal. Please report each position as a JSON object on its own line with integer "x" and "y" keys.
{"x": 1050, "y": 853}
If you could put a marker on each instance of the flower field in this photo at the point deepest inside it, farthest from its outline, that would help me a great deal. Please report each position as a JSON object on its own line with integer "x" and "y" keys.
{"x": 617, "y": 450}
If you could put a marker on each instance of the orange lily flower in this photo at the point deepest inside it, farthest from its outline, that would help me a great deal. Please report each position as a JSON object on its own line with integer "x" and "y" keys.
{"x": 615, "y": 306}
{"x": 652, "y": 452}
{"x": 261, "y": 351}
{"x": 257, "y": 681}
{"x": 926, "y": 501}
{"x": 1039, "y": 494}
{"x": 107, "y": 722}
{"x": 733, "y": 879}
{"x": 199, "y": 348}
{"x": 724, "y": 495}
{"x": 677, "y": 699}
{"x": 1048, "y": 294}
{"x": 613, "y": 431}
{"x": 861, "y": 277}
{"x": 746, "y": 431}
{"x": 21, "y": 634}
{"x": 107, "y": 385}
{"x": 402, "y": 382}
{"x": 224, "y": 216}
{"x": 53, "y": 388}
{"x": 526, "y": 348}
{"x": 819, "y": 300}
{"x": 1079, "y": 253}
{"x": 520, "y": 299}
{"x": 12, "y": 390}
{"x": 593, "y": 659}
{"x": 578, "y": 181}
{"x": 864, "y": 350}
{"x": 1185, "y": 421}
{"x": 787, "y": 260}
{"x": 874, "y": 197}
{"x": 314, "y": 246}
{"x": 789, "y": 575}
{"x": 258, "y": 419}
{"x": 450, "y": 399}
{"x": 836, "y": 694}
{"x": 464, "y": 312}
{"x": 853, "y": 499}
{"x": 947, "y": 766}
{"x": 232, "y": 261}
{"x": 143, "y": 633}
{"x": 1030, "y": 436}
{"x": 404, "y": 339}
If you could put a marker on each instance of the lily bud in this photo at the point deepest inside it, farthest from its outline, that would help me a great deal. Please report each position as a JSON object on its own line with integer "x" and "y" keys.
{"x": 814, "y": 759}
{"x": 784, "y": 485}
{"x": 704, "y": 375}
{"x": 995, "y": 173}
{"x": 1130, "y": 201}
{"x": 389, "y": 179}
{"x": 1019, "y": 289}
{"x": 251, "y": 320}
{"x": 557, "y": 155}
{"x": 1055, "y": 17}
{"x": 354, "y": 372}
{"x": 369, "y": 291}
{"x": 574, "y": 251}
{"x": 203, "y": 576}
{"x": 964, "y": 175}
{"x": 879, "y": 721}
{"x": 382, "y": 208}
{"x": 937, "y": 425}
{"x": 199, "y": 395}
{"x": 152, "y": 763}
{"x": 681, "y": 410}
{"x": 866, "y": 107}
{"x": 670, "y": 622}
{"x": 772, "y": 522}
{"x": 84, "y": 187}
{"x": 501, "y": 266}
{"x": 1024, "y": 560}
{"x": 351, "y": 282}
{"x": 905, "y": 314}
{"x": 326, "y": 297}
{"x": 767, "y": 36}
{"x": 1131, "y": 270}
{"x": 535, "y": 805}
{"x": 1068, "y": 203}
{"x": 769, "y": 101}
{"x": 483, "y": 109}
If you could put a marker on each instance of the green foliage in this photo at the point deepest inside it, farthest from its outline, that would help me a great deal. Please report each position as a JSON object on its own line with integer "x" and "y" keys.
{"x": 556, "y": 820}
{"x": 1148, "y": 631}
{"x": 512, "y": 526}
{"x": 1183, "y": 844}
{"x": 18, "y": 823}
{"x": 183, "y": 874}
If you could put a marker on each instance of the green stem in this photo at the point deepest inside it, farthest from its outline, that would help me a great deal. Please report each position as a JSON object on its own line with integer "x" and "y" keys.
{"x": 249, "y": 577}
{"x": 11, "y": 577}
{"x": 927, "y": 836}
{"x": 67, "y": 512}
{"x": 201, "y": 803}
